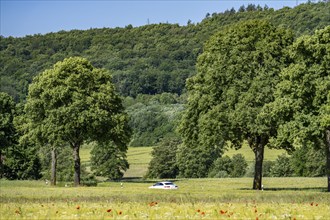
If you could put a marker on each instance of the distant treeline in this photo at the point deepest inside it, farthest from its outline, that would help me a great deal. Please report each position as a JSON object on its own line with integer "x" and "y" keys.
{"x": 150, "y": 59}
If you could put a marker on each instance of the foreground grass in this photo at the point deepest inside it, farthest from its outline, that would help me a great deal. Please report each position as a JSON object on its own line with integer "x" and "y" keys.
{"x": 283, "y": 198}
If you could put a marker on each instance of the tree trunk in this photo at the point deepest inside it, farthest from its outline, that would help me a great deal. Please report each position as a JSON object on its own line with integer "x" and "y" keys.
{"x": 259, "y": 158}
{"x": 76, "y": 158}
{"x": 327, "y": 142}
{"x": 53, "y": 168}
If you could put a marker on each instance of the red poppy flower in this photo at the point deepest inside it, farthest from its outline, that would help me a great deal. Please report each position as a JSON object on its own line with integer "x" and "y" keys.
{"x": 78, "y": 207}
{"x": 198, "y": 210}
{"x": 223, "y": 212}
{"x": 109, "y": 210}
{"x": 312, "y": 203}
{"x": 120, "y": 212}
{"x": 153, "y": 203}
{"x": 202, "y": 213}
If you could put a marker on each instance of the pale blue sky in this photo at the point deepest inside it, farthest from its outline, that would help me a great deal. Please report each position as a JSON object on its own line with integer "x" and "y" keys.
{"x": 26, "y": 17}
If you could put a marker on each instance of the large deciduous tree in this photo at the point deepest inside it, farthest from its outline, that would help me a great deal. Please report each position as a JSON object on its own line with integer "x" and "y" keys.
{"x": 74, "y": 102}
{"x": 303, "y": 96}
{"x": 237, "y": 75}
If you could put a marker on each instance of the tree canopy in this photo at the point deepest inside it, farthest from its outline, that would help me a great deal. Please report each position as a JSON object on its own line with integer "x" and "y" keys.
{"x": 302, "y": 103}
{"x": 75, "y": 102}
{"x": 236, "y": 76}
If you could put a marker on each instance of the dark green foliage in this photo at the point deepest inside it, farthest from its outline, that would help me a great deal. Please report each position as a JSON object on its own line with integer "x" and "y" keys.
{"x": 281, "y": 167}
{"x": 309, "y": 162}
{"x": 222, "y": 167}
{"x": 7, "y": 129}
{"x": 109, "y": 161}
{"x": 239, "y": 166}
{"x": 22, "y": 162}
{"x": 149, "y": 59}
{"x": 7, "y": 113}
{"x": 195, "y": 162}
{"x": 266, "y": 168}
{"x": 89, "y": 180}
{"x": 229, "y": 167}
{"x": 163, "y": 162}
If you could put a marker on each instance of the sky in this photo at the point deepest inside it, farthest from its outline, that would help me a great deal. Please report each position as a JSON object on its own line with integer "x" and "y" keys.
{"x": 26, "y": 17}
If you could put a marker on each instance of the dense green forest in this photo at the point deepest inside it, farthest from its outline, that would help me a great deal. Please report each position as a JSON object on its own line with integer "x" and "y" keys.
{"x": 150, "y": 59}
{"x": 149, "y": 66}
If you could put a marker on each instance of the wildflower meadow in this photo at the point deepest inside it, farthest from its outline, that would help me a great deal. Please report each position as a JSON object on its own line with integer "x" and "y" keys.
{"x": 282, "y": 198}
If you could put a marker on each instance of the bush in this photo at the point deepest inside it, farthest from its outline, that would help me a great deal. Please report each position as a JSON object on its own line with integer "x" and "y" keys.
{"x": 163, "y": 163}
{"x": 239, "y": 166}
{"x": 309, "y": 162}
{"x": 226, "y": 167}
{"x": 266, "y": 168}
{"x": 282, "y": 167}
{"x": 109, "y": 160}
{"x": 89, "y": 180}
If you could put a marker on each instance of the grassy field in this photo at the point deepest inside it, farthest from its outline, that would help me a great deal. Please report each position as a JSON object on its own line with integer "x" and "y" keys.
{"x": 138, "y": 159}
{"x": 283, "y": 198}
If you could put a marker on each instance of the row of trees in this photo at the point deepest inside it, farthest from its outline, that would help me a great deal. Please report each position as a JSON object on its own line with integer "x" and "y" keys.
{"x": 68, "y": 105}
{"x": 303, "y": 162}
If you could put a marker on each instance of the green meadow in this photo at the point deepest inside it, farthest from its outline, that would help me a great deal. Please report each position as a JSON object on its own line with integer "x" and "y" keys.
{"x": 283, "y": 198}
{"x": 227, "y": 198}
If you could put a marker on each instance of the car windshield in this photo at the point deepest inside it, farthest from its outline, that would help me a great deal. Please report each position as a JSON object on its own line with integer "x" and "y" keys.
{"x": 169, "y": 184}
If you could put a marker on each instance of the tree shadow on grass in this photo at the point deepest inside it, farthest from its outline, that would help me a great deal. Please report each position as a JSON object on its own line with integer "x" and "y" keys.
{"x": 317, "y": 189}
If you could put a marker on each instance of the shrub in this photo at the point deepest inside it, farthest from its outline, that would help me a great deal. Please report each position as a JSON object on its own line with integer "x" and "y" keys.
{"x": 227, "y": 167}
{"x": 309, "y": 162}
{"x": 163, "y": 162}
{"x": 239, "y": 166}
{"x": 282, "y": 167}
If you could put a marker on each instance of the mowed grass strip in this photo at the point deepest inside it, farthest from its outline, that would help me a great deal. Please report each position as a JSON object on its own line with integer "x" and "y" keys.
{"x": 138, "y": 159}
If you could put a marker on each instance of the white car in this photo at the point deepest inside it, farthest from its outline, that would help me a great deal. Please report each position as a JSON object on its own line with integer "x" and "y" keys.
{"x": 164, "y": 185}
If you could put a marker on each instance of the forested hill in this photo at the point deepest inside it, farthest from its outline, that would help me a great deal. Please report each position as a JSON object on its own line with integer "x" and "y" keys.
{"x": 150, "y": 59}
